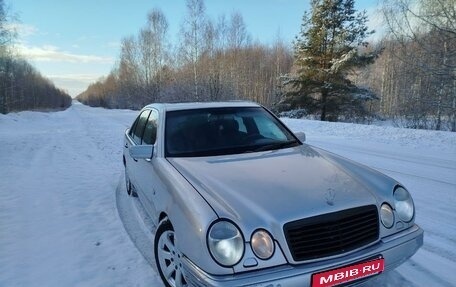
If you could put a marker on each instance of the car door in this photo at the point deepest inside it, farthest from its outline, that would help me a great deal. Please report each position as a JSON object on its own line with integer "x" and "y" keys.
{"x": 133, "y": 137}
{"x": 136, "y": 167}
{"x": 146, "y": 177}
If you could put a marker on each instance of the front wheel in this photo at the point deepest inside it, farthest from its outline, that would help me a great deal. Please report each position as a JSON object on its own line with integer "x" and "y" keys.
{"x": 167, "y": 257}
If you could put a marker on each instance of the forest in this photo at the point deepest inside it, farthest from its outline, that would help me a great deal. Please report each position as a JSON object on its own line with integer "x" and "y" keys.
{"x": 335, "y": 70}
{"x": 408, "y": 75}
{"x": 215, "y": 60}
{"x": 22, "y": 87}
{"x": 415, "y": 75}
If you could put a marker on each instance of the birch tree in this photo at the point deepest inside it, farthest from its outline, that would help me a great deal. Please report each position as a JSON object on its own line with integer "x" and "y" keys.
{"x": 192, "y": 45}
{"x": 153, "y": 48}
{"x": 427, "y": 28}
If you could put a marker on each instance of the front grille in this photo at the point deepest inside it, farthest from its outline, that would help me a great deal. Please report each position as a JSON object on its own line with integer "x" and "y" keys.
{"x": 333, "y": 233}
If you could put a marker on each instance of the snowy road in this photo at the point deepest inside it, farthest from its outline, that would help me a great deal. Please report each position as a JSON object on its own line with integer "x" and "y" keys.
{"x": 59, "y": 225}
{"x": 59, "y": 173}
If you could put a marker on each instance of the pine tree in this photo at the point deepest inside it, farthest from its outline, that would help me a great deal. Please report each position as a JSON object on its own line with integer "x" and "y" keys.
{"x": 327, "y": 51}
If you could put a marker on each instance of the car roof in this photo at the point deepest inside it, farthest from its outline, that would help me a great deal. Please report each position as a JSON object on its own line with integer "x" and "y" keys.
{"x": 200, "y": 105}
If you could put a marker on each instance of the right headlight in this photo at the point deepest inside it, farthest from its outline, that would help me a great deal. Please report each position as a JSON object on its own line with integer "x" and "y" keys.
{"x": 226, "y": 243}
{"x": 403, "y": 204}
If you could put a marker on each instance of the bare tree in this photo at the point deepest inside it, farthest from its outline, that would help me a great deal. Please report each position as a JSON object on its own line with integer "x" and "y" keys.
{"x": 283, "y": 60}
{"x": 129, "y": 71}
{"x": 215, "y": 61}
{"x": 192, "y": 32}
{"x": 426, "y": 31}
{"x": 238, "y": 36}
{"x": 153, "y": 49}
{"x": 7, "y": 33}
{"x": 238, "y": 39}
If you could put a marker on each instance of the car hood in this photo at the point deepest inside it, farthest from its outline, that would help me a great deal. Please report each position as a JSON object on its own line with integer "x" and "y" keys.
{"x": 268, "y": 189}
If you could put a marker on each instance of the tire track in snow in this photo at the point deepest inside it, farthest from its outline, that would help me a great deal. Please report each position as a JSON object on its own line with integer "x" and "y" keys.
{"x": 414, "y": 175}
{"x": 422, "y": 160}
{"x": 133, "y": 222}
{"x": 437, "y": 281}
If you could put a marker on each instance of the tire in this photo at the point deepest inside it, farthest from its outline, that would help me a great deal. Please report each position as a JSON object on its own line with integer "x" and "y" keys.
{"x": 167, "y": 257}
{"x": 129, "y": 186}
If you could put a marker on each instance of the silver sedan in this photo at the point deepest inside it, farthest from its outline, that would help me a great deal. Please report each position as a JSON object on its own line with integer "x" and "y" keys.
{"x": 240, "y": 200}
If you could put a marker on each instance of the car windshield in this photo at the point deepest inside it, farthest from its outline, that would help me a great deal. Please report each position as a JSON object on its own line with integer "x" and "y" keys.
{"x": 222, "y": 131}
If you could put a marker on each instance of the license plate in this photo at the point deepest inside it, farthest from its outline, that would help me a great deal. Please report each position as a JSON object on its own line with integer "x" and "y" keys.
{"x": 347, "y": 274}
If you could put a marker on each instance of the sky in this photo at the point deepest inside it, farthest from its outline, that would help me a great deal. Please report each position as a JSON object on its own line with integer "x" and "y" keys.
{"x": 76, "y": 42}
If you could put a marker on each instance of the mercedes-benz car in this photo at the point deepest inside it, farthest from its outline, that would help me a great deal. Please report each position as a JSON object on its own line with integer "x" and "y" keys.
{"x": 238, "y": 199}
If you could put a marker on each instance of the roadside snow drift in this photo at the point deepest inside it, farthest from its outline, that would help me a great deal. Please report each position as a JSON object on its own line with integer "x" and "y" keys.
{"x": 59, "y": 219}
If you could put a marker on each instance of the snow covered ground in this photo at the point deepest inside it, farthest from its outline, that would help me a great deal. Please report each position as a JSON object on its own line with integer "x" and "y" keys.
{"x": 59, "y": 212}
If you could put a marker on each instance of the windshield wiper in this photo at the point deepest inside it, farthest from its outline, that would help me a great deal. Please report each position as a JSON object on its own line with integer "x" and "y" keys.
{"x": 278, "y": 145}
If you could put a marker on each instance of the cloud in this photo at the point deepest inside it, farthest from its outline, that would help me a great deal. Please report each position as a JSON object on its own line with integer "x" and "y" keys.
{"x": 49, "y": 53}
{"x": 74, "y": 84}
{"x": 23, "y": 30}
{"x": 85, "y": 78}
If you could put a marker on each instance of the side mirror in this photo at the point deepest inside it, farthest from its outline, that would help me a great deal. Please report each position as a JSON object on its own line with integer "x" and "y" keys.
{"x": 301, "y": 136}
{"x": 141, "y": 151}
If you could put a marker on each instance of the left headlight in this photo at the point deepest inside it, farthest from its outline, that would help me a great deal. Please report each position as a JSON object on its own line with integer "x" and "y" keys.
{"x": 226, "y": 243}
{"x": 403, "y": 204}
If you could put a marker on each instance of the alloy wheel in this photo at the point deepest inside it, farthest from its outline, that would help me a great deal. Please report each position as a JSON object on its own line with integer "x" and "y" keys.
{"x": 168, "y": 258}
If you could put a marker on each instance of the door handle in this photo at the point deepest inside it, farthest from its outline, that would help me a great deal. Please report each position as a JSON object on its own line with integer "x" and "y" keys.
{"x": 126, "y": 145}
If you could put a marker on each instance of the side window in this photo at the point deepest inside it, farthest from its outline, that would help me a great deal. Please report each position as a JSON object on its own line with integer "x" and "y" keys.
{"x": 139, "y": 128}
{"x": 133, "y": 126}
{"x": 150, "y": 132}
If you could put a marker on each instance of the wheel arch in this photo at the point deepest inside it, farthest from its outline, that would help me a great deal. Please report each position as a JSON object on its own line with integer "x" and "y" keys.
{"x": 162, "y": 217}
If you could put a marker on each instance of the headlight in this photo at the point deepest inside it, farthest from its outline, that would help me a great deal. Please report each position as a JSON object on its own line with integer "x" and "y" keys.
{"x": 404, "y": 204}
{"x": 387, "y": 215}
{"x": 226, "y": 243}
{"x": 262, "y": 244}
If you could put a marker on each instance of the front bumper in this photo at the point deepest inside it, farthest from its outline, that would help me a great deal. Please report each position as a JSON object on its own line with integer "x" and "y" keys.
{"x": 395, "y": 249}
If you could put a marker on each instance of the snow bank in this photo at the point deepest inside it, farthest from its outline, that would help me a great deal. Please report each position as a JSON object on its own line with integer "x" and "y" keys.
{"x": 410, "y": 138}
